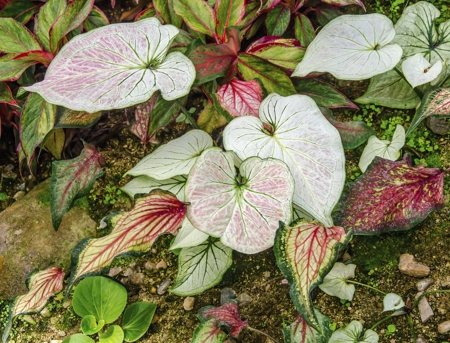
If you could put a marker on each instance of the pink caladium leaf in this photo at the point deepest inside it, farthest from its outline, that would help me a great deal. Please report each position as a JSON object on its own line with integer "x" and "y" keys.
{"x": 240, "y": 98}
{"x": 133, "y": 232}
{"x": 41, "y": 285}
{"x": 390, "y": 196}
{"x": 344, "y": 3}
{"x": 6, "y": 95}
{"x": 73, "y": 179}
{"x": 227, "y": 314}
{"x": 208, "y": 332}
{"x": 142, "y": 115}
{"x": 305, "y": 253}
{"x": 301, "y": 332}
{"x": 117, "y": 66}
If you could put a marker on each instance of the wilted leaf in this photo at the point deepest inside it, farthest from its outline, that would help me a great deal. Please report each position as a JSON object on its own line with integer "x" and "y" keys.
{"x": 15, "y": 37}
{"x": 301, "y": 332}
{"x": 227, "y": 314}
{"x": 335, "y": 282}
{"x": 390, "y": 196}
{"x": 240, "y": 98}
{"x": 210, "y": 119}
{"x": 67, "y": 118}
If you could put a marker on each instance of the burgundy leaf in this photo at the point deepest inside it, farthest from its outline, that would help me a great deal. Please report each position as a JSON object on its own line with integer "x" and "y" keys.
{"x": 345, "y": 3}
{"x": 390, "y": 196}
{"x": 227, "y": 314}
{"x": 73, "y": 179}
{"x": 142, "y": 119}
{"x": 240, "y": 98}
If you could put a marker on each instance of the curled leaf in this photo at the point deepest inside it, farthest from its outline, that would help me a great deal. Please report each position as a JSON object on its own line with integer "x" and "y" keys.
{"x": 418, "y": 71}
{"x": 392, "y": 302}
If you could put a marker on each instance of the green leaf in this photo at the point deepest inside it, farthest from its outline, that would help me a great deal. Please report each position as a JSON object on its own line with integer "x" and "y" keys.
{"x": 272, "y": 77}
{"x": 277, "y": 20}
{"x": 201, "y": 267}
{"x": 6, "y": 95}
{"x": 113, "y": 335}
{"x": 210, "y": 119}
{"x": 165, "y": 9}
{"x": 301, "y": 332}
{"x": 352, "y": 334}
{"x": 136, "y": 320}
{"x": 89, "y": 325}
{"x": 67, "y": 118}
{"x": 11, "y": 69}
{"x": 15, "y": 37}
{"x": 198, "y": 15}
{"x": 103, "y": 298}
{"x": 96, "y": 18}
{"x": 305, "y": 253}
{"x": 208, "y": 332}
{"x": 46, "y": 18}
{"x": 78, "y": 338}
{"x": 54, "y": 142}
{"x": 335, "y": 282}
{"x": 20, "y": 10}
{"x": 229, "y": 13}
{"x": 304, "y": 30}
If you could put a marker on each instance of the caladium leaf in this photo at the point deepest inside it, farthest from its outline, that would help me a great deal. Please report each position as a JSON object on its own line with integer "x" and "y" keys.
{"x": 198, "y": 15}
{"x": 301, "y": 332}
{"x": 117, "y": 66}
{"x": 352, "y": 333}
{"x": 20, "y": 10}
{"x": 435, "y": 102}
{"x": 240, "y": 98}
{"x": 41, "y": 285}
{"x": 304, "y": 140}
{"x": 6, "y": 95}
{"x": 277, "y": 20}
{"x": 46, "y": 18}
{"x": 142, "y": 115}
{"x": 15, "y": 37}
{"x": 96, "y": 18}
{"x": 392, "y": 302}
{"x": 390, "y": 196}
{"x": 383, "y": 148}
{"x": 244, "y": 213}
{"x": 208, "y": 332}
{"x": 352, "y": 47}
{"x": 133, "y": 232}
{"x": 174, "y": 158}
{"x": 335, "y": 282}
{"x": 418, "y": 71}
{"x": 38, "y": 119}
{"x": 201, "y": 267}
{"x": 144, "y": 184}
{"x": 227, "y": 314}
{"x": 73, "y": 179}
{"x": 228, "y": 14}
{"x": 344, "y": 3}
{"x": 67, "y": 118}
{"x": 305, "y": 253}
{"x": 304, "y": 29}
{"x": 188, "y": 236}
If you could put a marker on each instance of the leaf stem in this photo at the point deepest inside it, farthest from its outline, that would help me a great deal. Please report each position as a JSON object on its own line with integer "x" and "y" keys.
{"x": 187, "y": 114}
{"x": 411, "y": 325}
{"x": 416, "y": 302}
{"x": 381, "y": 321}
{"x": 262, "y": 333}
{"x": 363, "y": 284}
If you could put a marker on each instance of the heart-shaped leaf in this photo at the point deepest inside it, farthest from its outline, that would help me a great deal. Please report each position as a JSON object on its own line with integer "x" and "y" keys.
{"x": 113, "y": 335}
{"x": 243, "y": 211}
{"x": 392, "y": 302}
{"x": 144, "y": 184}
{"x": 304, "y": 140}
{"x": 390, "y": 196}
{"x": 227, "y": 314}
{"x": 352, "y": 47}
{"x": 335, "y": 282}
{"x": 301, "y": 332}
{"x": 174, "y": 158}
{"x": 208, "y": 332}
{"x": 136, "y": 320}
{"x": 352, "y": 333}
{"x": 418, "y": 71}
{"x": 15, "y": 37}
{"x": 78, "y": 338}
{"x": 73, "y": 179}
{"x": 201, "y": 267}
{"x": 134, "y": 231}
{"x": 240, "y": 98}
{"x": 188, "y": 236}
{"x": 41, "y": 285}
{"x": 117, "y": 66}
{"x": 305, "y": 253}
{"x": 89, "y": 325}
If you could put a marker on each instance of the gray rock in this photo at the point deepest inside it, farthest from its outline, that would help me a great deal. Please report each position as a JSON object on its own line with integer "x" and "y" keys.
{"x": 150, "y": 265}
{"x": 114, "y": 271}
{"x": 444, "y": 327}
{"x": 226, "y": 294}
{"x": 188, "y": 303}
{"x": 424, "y": 308}
{"x": 409, "y": 266}
{"x": 28, "y": 240}
{"x": 244, "y": 299}
{"x": 420, "y": 340}
{"x": 162, "y": 288}
{"x": 423, "y": 284}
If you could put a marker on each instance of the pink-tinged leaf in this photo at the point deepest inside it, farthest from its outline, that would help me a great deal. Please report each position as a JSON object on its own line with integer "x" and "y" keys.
{"x": 20, "y": 10}
{"x": 97, "y": 18}
{"x": 38, "y": 56}
{"x": 113, "y": 3}
{"x": 67, "y": 118}
{"x": 344, "y": 3}
{"x": 227, "y": 314}
{"x": 165, "y": 9}
{"x": 304, "y": 30}
{"x": 134, "y": 232}
{"x": 277, "y": 20}
{"x": 15, "y": 37}
{"x": 301, "y": 332}
{"x": 37, "y": 119}
{"x": 305, "y": 253}
{"x": 214, "y": 60}
{"x": 198, "y": 15}
{"x": 73, "y": 179}
{"x": 41, "y": 285}
{"x": 353, "y": 133}
{"x": 146, "y": 13}
{"x": 435, "y": 102}
{"x": 47, "y": 16}
{"x": 390, "y": 196}
{"x": 240, "y": 98}
{"x": 208, "y": 332}
{"x": 10, "y": 69}
{"x": 267, "y": 5}
{"x": 229, "y": 13}
{"x": 142, "y": 115}
{"x": 6, "y": 95}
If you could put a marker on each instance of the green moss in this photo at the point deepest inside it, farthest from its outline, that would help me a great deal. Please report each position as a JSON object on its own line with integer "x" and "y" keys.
{"x": 82, "y": 203}
{"x": 44, "y": 197}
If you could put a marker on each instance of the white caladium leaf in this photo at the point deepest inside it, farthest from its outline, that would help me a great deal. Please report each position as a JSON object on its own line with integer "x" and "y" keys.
{"x": 392, "y": 302}
{"x": 201, "y": 267}
{"x": 383, "y": 148}
{"x": 352, "y": 334}
{"x": 244, "y": 211}
{"x": 174, "y": 158}
{"x": 301, "y": 137}
{"x": 188, "y": 236}
{"x": 418, "y": 71}
{"x": 335, "y": 282}
{"x": 117, "y": 66}
{"x": 352, "y": 47}
{"x": 145, "y": 184}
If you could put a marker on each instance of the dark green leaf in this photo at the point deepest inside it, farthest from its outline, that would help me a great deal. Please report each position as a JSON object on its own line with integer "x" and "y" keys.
{"x": 20, "y": 10}
{"x": 277, "y": 20}
{"x": 137, "y": 319}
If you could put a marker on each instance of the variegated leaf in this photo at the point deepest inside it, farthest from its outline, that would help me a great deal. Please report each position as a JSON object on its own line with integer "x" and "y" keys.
{"x": 305, "y": 253}
{"x": 227, "y": 314}
{"x": 46, "y": 18}
{"x": 208, "y": 332}
{"x": 67, "y": 118}
{"x": 301, "y": 332}
{"x": 188, "y": 236}
{"x": 15, "y": 37}
{"x": 144, "y": 184}
{"x": 6, "y": 95}
{"x": 418, "y": 71}
{"x": 240, "y": 98}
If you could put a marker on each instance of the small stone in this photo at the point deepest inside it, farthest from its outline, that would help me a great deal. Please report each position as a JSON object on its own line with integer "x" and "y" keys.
{"x": 29, "y": 319}
{"x": 137, "y": 278}
{"x": 226, "y": 294}
{"x": 150, "y": 265}
{"x": 164, "y": 286}
{"x": 153, "y": 290}
{"x": 9, "y": 167}
{"x": 9, "y": 175}
{"x": 19, "y": 195}
{"x": 267, "y": 287}
{"x": 188, "y": 303}
{"x": 346, "y": 257}
{"x": 444, "y": 327}
{"x": 442, "y": 311}
{"x": 21, "y": 187}
{"x": 61, "y": 333}
{"x": 45, "y": 313}
{"x": 410, "y": 267}
{"x": 244, "y": 299}
{"x": 266, "y": 275}
{"x": 132, "y": 265}
{"x": 161, "y": 265}
{"x": 114, "y": 271}
{"x": 423, "y": 284}
{"x": 66, "y": 304}
{"x": 424, "y": 308}
{"x": 128, "y": 272}
{"x": 420, "y": 340}
{"x": 55, "y": 341}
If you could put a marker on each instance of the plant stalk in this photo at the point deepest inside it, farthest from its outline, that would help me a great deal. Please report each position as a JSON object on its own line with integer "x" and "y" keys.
{"x": 381, "y": 321}
{"x": 262, "y": 333}
{"x": 416, "y": 302}
{"x": 187, "y": 115}
{"x": 363, "y": 284}
{"x": 411, "y": 325}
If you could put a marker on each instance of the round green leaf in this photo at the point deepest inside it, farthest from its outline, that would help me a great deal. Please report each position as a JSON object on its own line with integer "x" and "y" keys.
{"x": 137, "y": 319}
{"x": 89, "y": 325}
{"x": 113, "y": 335}
{"x": 78, "y": 338}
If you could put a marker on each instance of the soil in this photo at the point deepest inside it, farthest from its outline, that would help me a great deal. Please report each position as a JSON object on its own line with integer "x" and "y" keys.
{"x": 258, "y": 276}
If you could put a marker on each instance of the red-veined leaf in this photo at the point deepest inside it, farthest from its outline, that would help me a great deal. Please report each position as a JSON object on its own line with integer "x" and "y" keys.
{"x": 198, "y": 15}
{"x": 6, "y": 95}
{"x": 208, "y": 332}
{"x": 10, "y": 69}
{"x": 304, "y": 30}
{"x": 41, "y": 285}
{"x": 305, "y": 253}
{"x": 142, "y": 115}
{"x": 301, "y": 332}
{"x": 38, "y": 56}
{"x": 214, "y": 60}
{"x": 73, "y": 179}
{"x": 229, "y": 13}
{"x": 277, "y": 20}
{"x": 345, "y": 3}
{"x": 240, "y": 98}
{"x": 227, "y": 314}
{"x": 165, "y": 8}
{"x": 435, "y": 102}
{"x": 47, "y": 16}
{"x": 146, "y": 13}
{"x": 15, "y": 37}
{"x": 67, "y": 118}
{"x": 134, "y": 232}
{"x": 20, "y": 10}
{"x": 267, "y": 5}
{"x": 390, "y": 196}
{"x": 96, "y": 18}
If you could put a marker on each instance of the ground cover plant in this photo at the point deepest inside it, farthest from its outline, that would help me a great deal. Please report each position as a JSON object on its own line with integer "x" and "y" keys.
{"x": 277, "y": 180}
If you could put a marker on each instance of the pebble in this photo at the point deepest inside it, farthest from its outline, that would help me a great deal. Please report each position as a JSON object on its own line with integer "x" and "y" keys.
{"x": 61, "y": 333}
{"x": 346, "y": 257}
{"x": 29, "y": 319}
{"x": 444, "y": 327}
{"x": 424, "y": 308}
{"x": 21, "y": 187}
{"x": 114, "y": 271}
{"x": 226, "y": 294}
{"x": 423, "y": 284}
{"x": 150, "y": 265}
{"x": 161, "y": 265}
{"x": 9, "y": 167}
{"x": 420, "y": 340}
{"x": 164, "y": 286}
{"x": 19, "y": 195}
{"x": 188, "y": 303}
{"x": 409, "y": 266}
{"x": 45, "y": 313}
{"x": 244, "y": 299}
{"x": 9, "y": 175}
{"x": 266, "y": 275}
{"x": 137, "y": 278}
{"x": 128, "y": 272}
